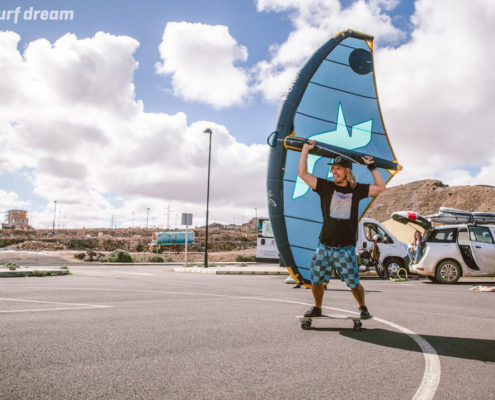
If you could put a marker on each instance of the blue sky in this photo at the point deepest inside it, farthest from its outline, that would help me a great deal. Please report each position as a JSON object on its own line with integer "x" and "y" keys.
{"x": 262, "y": 45}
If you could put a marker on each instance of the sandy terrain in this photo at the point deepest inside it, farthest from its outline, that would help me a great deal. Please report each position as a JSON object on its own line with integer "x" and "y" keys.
{"x": 47, "y": 258}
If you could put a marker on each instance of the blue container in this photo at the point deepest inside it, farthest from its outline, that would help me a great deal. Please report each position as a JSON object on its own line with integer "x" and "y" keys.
{"x": 171, "y": 238}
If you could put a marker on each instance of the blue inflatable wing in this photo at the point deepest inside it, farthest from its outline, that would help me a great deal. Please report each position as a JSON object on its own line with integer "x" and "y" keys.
{"x": 333, "y": 100}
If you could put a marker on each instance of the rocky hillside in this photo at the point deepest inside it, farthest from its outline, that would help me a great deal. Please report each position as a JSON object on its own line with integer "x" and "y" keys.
{"x": 425, "y": 197}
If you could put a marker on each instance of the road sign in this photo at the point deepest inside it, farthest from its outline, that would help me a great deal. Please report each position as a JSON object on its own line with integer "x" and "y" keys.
{"x": 187, "y": 219}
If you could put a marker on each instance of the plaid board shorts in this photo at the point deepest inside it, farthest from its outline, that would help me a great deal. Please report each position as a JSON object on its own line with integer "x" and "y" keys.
{"x": 342, "y": 258}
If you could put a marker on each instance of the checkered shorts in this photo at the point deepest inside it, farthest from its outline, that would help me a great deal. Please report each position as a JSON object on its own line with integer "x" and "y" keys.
{"x": 342, "y": 258}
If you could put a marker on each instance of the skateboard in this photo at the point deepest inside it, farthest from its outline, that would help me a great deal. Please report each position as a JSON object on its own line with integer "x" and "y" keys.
{"x": 306, "y": 321}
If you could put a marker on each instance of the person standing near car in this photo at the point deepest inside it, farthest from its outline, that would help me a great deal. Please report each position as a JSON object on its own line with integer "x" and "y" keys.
{"x": 339, "y": 202}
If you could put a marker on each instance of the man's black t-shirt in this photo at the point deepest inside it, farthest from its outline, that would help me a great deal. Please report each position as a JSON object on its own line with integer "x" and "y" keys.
{"x": 339, "y": 206}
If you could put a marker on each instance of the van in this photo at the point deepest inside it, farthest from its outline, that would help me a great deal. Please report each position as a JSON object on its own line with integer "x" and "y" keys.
{"x": 393, "y": 252}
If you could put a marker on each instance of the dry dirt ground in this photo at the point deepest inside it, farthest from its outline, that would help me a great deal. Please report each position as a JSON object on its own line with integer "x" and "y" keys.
{"x": 48, "y": 258}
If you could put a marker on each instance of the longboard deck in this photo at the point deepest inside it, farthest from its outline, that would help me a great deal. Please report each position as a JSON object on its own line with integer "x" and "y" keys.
{"x": 306, "y": 321}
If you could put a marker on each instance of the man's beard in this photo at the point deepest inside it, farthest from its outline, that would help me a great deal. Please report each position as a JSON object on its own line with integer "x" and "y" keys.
{"x": 336, "y": 179}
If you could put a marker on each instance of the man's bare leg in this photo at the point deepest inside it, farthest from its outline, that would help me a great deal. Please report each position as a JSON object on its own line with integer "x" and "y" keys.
{"x": 358, "y": 293}
{"x": 318, "y": 292}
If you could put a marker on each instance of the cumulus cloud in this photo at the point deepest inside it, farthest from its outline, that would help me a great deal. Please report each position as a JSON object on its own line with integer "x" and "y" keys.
{"x": 315, "y": 21}
{"x": 201, "y": 60}
{"x": 86, "y": 140}
{"x": 436, "y": 92}
{"x": 10, "y": 200}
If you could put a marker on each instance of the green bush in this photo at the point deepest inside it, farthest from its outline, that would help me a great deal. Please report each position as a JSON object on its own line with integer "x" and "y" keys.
{"x": 240, "y": 258}
{"x": 12, "y": 266}
{"x": 242, "y": 264}
{"x": 118, "y": 256}
{"x": 170, "y": 259}
{"x": 212, "y": 264}
{"x": 156, "y": 259}
{"x": 37, "y": 272}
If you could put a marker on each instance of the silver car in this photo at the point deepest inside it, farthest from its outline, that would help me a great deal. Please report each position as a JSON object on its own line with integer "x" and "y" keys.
{"x": 453, "y": 251}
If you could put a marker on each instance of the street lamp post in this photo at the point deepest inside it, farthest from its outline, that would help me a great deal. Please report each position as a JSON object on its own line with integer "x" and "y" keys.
{"x": 147, "y": 215}
{"x": 60, "y": 212}
{"x": 209, "y": 132}
{"x": 133, "y": 220}
{"x": 54, "y": 216}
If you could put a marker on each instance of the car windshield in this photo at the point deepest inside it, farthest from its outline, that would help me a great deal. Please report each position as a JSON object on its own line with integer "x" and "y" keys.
{"x": 371, "y": 230}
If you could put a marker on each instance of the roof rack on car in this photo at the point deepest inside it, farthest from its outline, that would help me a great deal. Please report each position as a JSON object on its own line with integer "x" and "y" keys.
{"x": 452, "y": 216}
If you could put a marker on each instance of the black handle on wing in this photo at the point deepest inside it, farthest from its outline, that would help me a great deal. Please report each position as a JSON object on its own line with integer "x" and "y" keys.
{"x": 329, "y": 151}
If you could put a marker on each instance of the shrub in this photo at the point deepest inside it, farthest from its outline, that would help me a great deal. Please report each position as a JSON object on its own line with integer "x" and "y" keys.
{"x": 118, "y": 256}
{"x": 170, "y": 259}
{"x": 212, "y": 264}
{"x": 156, "y": 259}
{"x": 242, "y": 264}
{"x": 240, "y": 258}
{"x": 12, "y": 266}
{"x": 37, "y": 272}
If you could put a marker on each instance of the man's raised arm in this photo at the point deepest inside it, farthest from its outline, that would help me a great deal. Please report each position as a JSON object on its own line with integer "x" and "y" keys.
{"x": 379, "y": 184}
{"x": 302, "y": 171}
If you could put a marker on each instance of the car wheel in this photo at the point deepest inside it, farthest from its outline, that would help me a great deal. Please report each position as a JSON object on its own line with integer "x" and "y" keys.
{"x": 433, "y": 279}
{"x": 392, "y": 266}
{"x": 448, "y": 272}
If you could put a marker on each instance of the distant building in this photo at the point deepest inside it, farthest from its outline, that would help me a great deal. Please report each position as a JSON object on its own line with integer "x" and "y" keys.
{"x": 16, "y": 219}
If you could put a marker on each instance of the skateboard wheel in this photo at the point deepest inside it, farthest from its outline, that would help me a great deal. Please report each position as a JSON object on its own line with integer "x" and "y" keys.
{"x": 357, "y": 325}
{"x": 305, "y": 325}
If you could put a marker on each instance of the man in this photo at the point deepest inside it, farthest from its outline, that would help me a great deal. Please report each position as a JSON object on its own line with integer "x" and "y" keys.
{"x": 339, "y": 206}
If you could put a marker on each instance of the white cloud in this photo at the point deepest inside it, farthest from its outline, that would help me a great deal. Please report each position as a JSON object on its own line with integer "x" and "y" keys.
{"x": 10, "y": 200}
{"x": 437, "y": 93}
{"x": 86, "y": 139}
{"x": 202, "y": 61}
{"x": 315, "y": 21}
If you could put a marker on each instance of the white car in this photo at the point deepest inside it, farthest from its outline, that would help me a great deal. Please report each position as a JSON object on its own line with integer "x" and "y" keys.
{"x": 453, "y": 251}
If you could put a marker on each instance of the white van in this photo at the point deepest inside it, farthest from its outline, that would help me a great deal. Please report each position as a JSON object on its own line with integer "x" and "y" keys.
{"x": 393, "y": 252}
{"x": 266, "y": 248}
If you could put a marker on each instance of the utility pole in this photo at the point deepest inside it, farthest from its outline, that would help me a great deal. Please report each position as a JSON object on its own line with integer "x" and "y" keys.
{"x": 60, "y": 212}
{"x": 147, "y": 218}
{"x": 133, "y": 219}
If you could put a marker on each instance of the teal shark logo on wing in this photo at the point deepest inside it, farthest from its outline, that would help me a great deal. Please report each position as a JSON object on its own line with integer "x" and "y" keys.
{"x": 359, "y": 137}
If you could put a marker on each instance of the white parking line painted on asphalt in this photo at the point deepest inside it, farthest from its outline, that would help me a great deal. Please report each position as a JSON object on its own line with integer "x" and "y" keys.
{"x": 431, "y": 376}
{"x": 53, "y": 309}
{"x": 80, "y": 306}
{"x": 133, "y": 273}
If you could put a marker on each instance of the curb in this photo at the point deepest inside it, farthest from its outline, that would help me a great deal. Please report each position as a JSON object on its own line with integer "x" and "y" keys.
{"x": 213, "y": 271}
{"x": 23, "y": 273}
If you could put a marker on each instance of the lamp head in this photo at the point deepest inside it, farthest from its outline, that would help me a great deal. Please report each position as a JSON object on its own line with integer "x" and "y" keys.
{"x": 208, "y": 131}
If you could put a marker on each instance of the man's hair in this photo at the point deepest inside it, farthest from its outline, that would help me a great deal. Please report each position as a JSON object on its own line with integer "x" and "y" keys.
{"x": 349, "y": 175}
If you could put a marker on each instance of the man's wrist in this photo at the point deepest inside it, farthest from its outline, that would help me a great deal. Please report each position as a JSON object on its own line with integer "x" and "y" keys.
{"x": 372, "y": 167}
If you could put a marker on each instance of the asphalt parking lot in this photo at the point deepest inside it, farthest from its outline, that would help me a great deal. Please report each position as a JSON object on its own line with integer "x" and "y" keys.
{"x": 144, "y": 332}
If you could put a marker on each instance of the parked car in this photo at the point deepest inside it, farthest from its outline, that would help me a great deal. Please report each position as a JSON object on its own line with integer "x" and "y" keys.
{"x": 453, "y": 251}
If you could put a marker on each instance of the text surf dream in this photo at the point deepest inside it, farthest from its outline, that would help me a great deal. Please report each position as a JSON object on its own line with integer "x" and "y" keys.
{"x": 31, "y": 15}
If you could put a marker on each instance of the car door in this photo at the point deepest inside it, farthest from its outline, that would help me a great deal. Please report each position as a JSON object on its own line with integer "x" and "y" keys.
{"x": 483, "y": 247}
{"x": 371, "y": 229}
